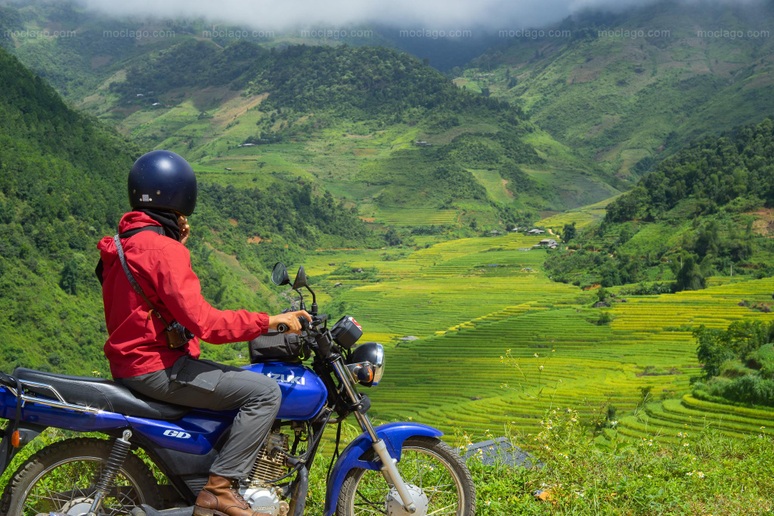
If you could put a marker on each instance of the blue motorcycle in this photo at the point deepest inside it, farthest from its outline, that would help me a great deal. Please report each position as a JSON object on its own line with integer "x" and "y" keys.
{"x": 400, "y": 469}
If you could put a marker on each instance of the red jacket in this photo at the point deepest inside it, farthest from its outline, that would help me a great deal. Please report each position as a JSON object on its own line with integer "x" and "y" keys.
{"x": 162, "y": 266}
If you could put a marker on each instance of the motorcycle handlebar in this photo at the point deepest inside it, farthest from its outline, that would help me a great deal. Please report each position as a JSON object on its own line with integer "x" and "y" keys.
{"x": 305, "y": 324}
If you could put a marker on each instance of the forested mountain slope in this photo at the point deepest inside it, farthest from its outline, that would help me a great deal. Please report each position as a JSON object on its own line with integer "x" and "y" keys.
{"x": 707, "y": 210}
{"x": 630, "y": 88}
{"x": 59, "y": 177}
{"x": 377, "y": 127}
{"x": 63, "y": 186}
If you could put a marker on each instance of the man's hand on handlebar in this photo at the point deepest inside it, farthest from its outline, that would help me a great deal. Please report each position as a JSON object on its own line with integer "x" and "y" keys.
{"x": 289, "y": 322}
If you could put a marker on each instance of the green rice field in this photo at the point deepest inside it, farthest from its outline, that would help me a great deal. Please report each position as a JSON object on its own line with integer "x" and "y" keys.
{"x": 480, "y": 342}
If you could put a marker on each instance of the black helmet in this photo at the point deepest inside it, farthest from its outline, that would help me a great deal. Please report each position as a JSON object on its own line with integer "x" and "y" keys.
{"x": 162, "y": 180}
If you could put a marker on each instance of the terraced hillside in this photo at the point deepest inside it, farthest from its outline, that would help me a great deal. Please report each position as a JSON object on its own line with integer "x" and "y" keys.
{"x": 481, "y": 341}
{"x": 674, "y": 420}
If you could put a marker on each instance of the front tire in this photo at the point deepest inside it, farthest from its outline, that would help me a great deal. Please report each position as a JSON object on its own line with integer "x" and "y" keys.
{"x": 426, "y": 463}
{"x": 62, "y": 478}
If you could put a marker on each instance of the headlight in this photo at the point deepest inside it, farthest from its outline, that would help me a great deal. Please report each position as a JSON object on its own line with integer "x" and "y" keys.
{"x": 367, "y": 363}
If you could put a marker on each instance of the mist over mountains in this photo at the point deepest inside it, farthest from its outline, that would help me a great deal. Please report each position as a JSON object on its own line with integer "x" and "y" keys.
{"x": 434, "y": 15}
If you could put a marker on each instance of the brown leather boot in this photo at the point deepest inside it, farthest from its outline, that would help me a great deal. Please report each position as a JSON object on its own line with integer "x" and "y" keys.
{"x": 220, "y": 497}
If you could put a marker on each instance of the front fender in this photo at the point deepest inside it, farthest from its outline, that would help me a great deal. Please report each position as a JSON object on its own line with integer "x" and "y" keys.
{"x": 393, "y": 435}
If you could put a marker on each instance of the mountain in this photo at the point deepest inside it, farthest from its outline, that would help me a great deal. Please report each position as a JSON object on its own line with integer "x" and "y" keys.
{"x": 631, "y": 88}
{"x": 63, "y": 186}
{"x": 376, "y": 127}
{"x": 58, "y": 177}
{"x": 706, "y": 211}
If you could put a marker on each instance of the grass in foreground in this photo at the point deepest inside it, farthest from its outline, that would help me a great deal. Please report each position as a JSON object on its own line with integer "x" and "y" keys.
{"x": 703, "y": 473}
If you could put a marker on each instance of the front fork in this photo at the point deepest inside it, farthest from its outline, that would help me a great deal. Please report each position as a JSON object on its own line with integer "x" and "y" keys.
{"x": 389, "y": 469}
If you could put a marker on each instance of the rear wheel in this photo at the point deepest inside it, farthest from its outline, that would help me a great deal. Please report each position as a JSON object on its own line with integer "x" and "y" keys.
{"x": 436, "y": 476}
{"x": 62, "y": 478}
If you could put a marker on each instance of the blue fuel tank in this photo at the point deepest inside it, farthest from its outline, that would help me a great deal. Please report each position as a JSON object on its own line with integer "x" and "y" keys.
{"x": 303, "y": 392}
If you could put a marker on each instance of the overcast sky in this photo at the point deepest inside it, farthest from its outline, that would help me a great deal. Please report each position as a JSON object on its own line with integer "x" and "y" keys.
{"x": 430, "y": 14}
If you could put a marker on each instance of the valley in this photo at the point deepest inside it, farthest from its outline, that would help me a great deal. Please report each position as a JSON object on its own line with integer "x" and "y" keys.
{"x": 408, "y": 194}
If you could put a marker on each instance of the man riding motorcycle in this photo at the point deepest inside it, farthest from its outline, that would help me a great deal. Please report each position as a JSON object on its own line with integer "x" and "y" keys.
{"x": 156, "y": 314}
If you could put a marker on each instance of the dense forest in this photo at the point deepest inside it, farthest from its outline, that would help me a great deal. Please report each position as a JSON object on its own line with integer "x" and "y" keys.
{"x": 62, "y": 186}
{"x": 737, "y": 167}
{"x": 738, "y": 363}
{"x": 690, "y": 218}
{"x": 355, "y": 82}
{"x": 58, "y": 195}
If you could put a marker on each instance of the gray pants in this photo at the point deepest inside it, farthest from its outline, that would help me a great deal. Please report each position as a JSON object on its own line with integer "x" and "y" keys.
{"x": 209, "y": 385}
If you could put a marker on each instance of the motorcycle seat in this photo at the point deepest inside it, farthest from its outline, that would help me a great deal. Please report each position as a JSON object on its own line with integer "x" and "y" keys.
{"x": 99, "y": 393}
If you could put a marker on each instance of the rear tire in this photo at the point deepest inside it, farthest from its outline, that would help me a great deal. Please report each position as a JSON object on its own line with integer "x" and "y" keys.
{"x": 427, "y": 463}
{"x": 62, "y": 478}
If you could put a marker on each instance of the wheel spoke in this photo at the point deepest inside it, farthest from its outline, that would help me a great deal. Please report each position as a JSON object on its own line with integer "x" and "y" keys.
{"x": 427, "y": 466}
{"x": 63, "y": 478}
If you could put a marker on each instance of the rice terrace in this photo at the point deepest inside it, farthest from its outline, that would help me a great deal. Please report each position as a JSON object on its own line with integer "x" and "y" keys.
{"x": 483, "y": 342}
{"x": 484, "y": 345}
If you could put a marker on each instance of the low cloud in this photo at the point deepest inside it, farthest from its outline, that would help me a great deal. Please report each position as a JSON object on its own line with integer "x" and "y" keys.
{"x": 492, "y": 14}
{"x": 293, "y": 13}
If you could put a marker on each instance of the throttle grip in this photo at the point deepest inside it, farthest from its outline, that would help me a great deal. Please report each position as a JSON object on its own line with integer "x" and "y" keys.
{"x": 283, "y": 328}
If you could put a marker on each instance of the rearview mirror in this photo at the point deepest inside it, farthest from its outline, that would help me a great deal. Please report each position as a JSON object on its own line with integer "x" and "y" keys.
{"x": 279, "y": 274}
{"x": 300, "y": 280}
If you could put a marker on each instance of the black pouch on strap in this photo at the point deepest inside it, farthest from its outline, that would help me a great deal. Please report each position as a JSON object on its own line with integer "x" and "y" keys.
{"x": 286, "y": 347}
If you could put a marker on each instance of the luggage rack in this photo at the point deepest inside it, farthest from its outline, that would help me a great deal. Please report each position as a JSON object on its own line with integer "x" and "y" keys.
{"x": 59, "y": 402}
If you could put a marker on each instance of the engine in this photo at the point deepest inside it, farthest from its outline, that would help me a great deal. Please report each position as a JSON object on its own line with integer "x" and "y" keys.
{"x": 269, "y": 466}
{"x": 266, "y": 501}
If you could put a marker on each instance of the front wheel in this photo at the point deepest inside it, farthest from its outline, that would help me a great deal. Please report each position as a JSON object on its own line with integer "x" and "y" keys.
{"x": 61, "y": 478}
{"x": 436, "y": 476}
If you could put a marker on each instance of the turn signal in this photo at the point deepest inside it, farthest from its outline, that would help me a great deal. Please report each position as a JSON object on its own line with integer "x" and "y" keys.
{"x": 362, "y": 372}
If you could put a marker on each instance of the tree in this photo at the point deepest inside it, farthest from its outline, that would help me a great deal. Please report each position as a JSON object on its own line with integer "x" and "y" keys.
{"x": 708, "y": 241}
{"x": 713, "y": 350}
{"x": 568, "y": 232}
{"x": 690, "y": 277}
{"x": 392, "y": 238}
{"x": 68, "y": 279}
